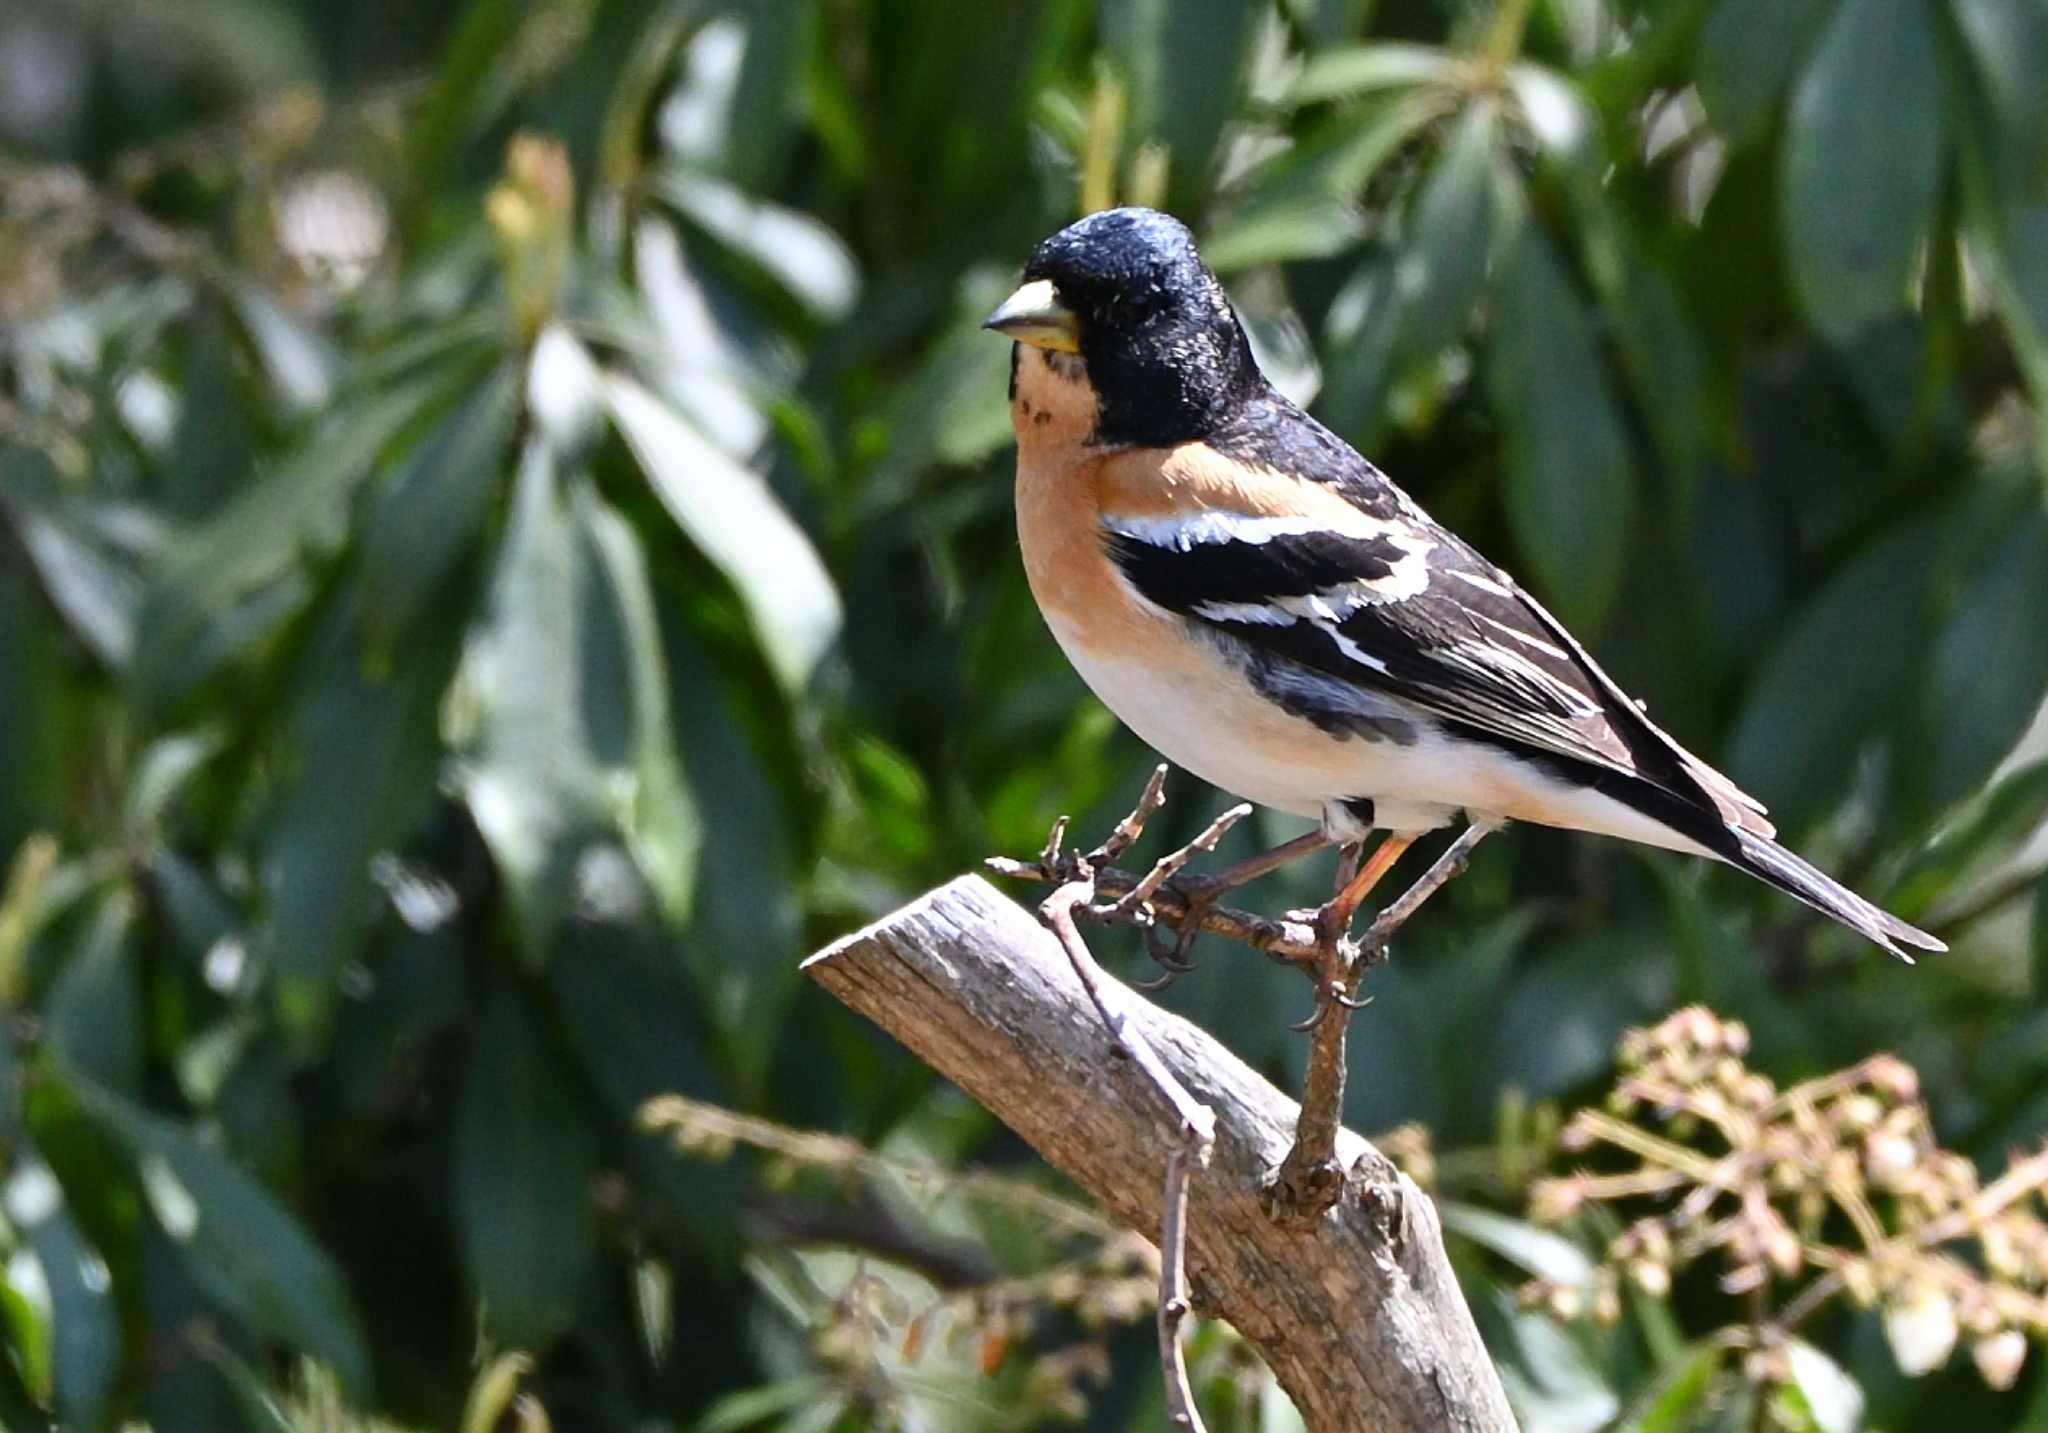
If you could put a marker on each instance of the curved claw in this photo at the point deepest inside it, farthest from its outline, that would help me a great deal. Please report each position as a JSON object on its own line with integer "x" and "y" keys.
{"x": 1165, "y": 978}
{"x": 1173, "y": 958}
{"x": 1315, "y": 1018}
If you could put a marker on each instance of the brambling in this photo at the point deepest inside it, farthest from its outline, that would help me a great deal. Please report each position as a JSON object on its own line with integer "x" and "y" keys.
{"x": 1264, "y": 607}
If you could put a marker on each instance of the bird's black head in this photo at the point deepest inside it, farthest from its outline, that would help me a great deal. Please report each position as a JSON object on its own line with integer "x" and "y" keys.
{"x": 1162, "y": 347}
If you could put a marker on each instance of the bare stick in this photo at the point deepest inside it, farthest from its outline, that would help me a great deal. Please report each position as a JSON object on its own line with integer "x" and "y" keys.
{"x": 1196, "y": 1124}
{"x": 1171, "y": 863}
{"x": 1173, "y": 1294}
{"x": 1363, "y": 1324}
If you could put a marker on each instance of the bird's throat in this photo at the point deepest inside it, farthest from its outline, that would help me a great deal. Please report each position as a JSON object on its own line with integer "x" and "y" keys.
{"x": 1052, "y": 403}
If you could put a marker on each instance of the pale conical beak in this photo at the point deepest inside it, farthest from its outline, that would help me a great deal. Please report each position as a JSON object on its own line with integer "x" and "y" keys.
{"x": 1035, "y": 315}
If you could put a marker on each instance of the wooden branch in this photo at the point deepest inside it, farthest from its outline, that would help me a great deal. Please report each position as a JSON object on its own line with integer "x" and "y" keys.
{"x": 1360, "y": 1317}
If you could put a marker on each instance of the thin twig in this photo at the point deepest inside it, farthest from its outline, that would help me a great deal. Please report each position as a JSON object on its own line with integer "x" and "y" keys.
{"x": 1173, "y": 1295}
{"x": 1170, "y": 864}
{"x": 1281, "y": 940}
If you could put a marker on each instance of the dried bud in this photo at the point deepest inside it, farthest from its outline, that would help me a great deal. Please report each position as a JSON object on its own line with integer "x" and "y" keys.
{"x": 1889, "y": 1157}
{"x": 1921, "y": 1329}
{"x": 1893, "y": 1077}
{"x": 1652, "y": 1277}
{"x": 1552, "y": 1201}
{"x": 2000, "y": 1357}
{"x": 1861, "y": 1112}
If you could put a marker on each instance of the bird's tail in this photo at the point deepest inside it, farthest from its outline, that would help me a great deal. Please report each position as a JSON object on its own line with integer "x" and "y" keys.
{"x": 1768, "y": 861}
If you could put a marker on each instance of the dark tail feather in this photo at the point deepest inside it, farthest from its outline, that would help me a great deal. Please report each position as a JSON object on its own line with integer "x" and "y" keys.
{"x": 1768, "y": 861}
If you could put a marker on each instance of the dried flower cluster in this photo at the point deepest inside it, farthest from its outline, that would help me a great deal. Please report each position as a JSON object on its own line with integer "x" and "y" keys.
{"x": 1834, "y": 1186}
{"x": 879, "y": 1332}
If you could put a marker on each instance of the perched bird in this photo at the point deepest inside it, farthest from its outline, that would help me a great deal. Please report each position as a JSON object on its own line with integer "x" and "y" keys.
{"x": 1264, "y": 607}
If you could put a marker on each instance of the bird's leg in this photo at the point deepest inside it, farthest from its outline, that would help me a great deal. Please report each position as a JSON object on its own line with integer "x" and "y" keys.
{"x": 1310, "y": 1179}
{"x": 1439, "y": 874}
{"x": 1202, "y": 891}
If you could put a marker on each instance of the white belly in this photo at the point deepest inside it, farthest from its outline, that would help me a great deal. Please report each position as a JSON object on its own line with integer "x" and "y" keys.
{"x": 1213, "y": 724}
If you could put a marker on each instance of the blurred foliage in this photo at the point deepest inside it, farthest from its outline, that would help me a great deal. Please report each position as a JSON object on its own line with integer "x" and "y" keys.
{"x": 505, "y": 544}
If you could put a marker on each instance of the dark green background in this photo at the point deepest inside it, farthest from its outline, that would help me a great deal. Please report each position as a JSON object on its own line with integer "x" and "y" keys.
{"x": 414, "y": 754}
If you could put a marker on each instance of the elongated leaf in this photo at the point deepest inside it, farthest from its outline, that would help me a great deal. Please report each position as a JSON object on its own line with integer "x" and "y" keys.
{"x": 1749, "y": 50}
{"x": 1848, "y": 654}
{"x": 730, "y": 514}
{"x": 1995, "y": 649}
{"x": 1308, "y": 208}
{"x": 1570, "y": 483}
{"x": 531, "y": 780}
{"x": 1340, "y": 71}
{"x": 524, "y": 1157}
{"x": 255, "y": 539}
{"x": 796, "y": 250}
{"x": 662, "y": 826}
{"x": 1410, "y": 305}
{"x": 243, "y": 1250}
{"x": 432, "y": 509}
{"x": 96, "y": 592}
{"x": 297, "y": 360}
{"x": 95, "y": 1005}
{"x": 1537, "y": 1252}
{"x": 1159, "y": 44}
{"x": 378, "y": 724}
{"x": 1863, "y": 163}
{"x": 83, "y": 1334}
{"x": 1678, "y": 1401}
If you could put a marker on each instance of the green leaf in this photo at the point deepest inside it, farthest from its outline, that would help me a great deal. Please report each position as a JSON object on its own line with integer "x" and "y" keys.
{"x": 1411, "y": 305}
{"x": 256, "y": 539}
{"x": 532, "y": 783}
{"x": 662, "y": 824}
{"x": 729, "y": 513}
{"x": 241, "y": 1247}
{"x": 1985, "y": 834}
{"x": 1538, "y": 1252}
{"x": 377, "y": 722}
{"x": 299, "y": 363}
{"x": 432, "y": 508}
{"x": 1847, "y": 655}
{"x": 1749, "y": 50}
{"x": 1570, "y": 485}
{"x": 95, "y": 590}
{"x": 1865, "y": 139}
{"x": 76, "y": 1355}
{"x": 1680, "y": 1398}
{"x": 95, "y": 1004}
{"x": 1159, "y": 44}
{"x": 524, "y": 1160}
{"x": 1995, "y": 649}
{"x": 797, "y": 251}
{"x": 1307, "y": 207}
{"x": 1340, "y": 71}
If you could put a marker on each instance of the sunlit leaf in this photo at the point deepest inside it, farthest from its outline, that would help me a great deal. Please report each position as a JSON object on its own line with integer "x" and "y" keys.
{"x": 297, "y": 360}
{"x": 1995, "y": 649}
{"x": 1865, "y": 138}
{"x": 532, "y": 783}
{"x": 243, "y": 1250}
{"x": 96, "y": 593}
{"x": 524, "y": 1159}
{"x": 1570, "y": 480}
{"x": 1538, "y": 1252}
{"x": 793, "y": 248}
{"x": 663, "y": 826}
{"x": 729, "y": 513}
{"x": 61, "y": 1278}
{"x": 1339, "y": 71}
